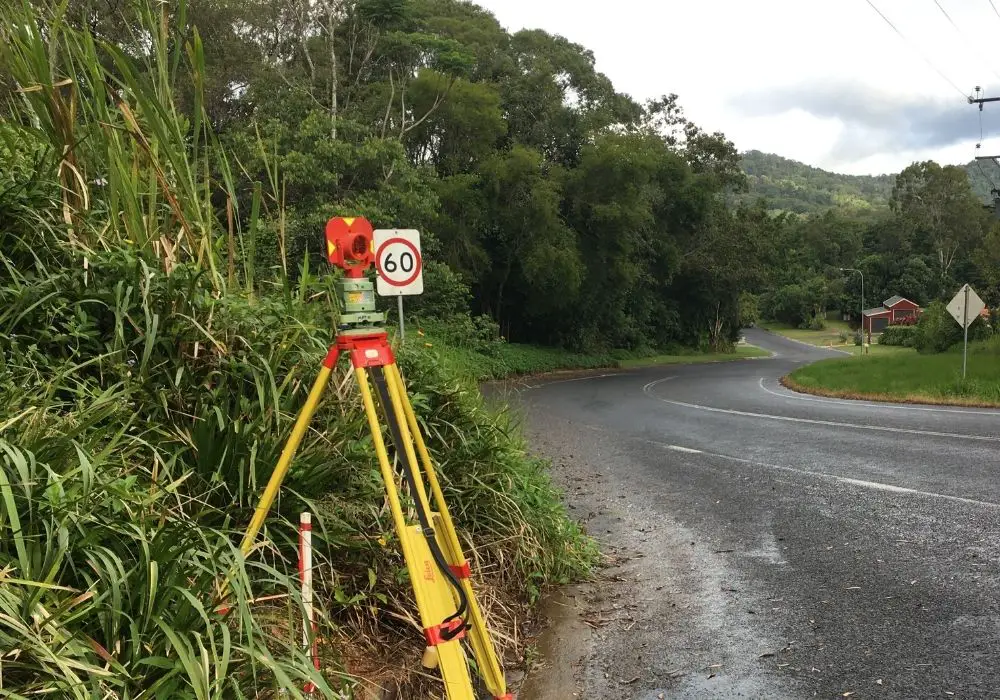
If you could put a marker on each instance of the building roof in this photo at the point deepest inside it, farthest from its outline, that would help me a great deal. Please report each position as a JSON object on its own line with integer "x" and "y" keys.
{"x": 895, "y": 299}
{"x": 876, "y": 311}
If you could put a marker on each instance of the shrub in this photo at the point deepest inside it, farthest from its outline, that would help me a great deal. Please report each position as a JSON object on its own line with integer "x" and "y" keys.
{"x": 843, "y": 336}
{"x": 790, "y": 304}
{"x": 898, "y": 335}
{"x": 816, "y": 323}
{"x": 936, "y": 330}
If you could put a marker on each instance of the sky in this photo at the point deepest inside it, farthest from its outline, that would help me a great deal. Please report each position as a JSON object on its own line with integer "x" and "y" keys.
{"x": 825, "y": 82}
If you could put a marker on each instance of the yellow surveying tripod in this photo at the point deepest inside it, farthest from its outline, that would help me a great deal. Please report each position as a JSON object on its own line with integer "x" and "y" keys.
{"x": 439, "y": 572}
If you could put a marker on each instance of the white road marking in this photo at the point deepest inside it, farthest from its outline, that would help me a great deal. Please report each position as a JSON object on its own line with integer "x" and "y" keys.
{"x": 813, "y": 421}
{"x": 852, "y": 402}
{"x": 563, "y": 381}
{"x": 878, "y": 486}
{"x": 650, "y": 385}
{"x": 679, "y": 448}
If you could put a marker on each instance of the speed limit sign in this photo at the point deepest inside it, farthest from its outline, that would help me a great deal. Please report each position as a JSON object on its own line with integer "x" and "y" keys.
{"x": 398, "y": 263}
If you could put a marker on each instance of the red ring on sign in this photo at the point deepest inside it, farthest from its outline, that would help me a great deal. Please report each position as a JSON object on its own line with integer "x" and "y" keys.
{"x": 418, "y": 262}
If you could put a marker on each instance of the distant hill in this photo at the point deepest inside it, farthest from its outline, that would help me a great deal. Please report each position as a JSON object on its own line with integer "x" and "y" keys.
{"x": 802, "y": 189}
{"x": 796, "y": 187}
{"x": 984, "y": 175}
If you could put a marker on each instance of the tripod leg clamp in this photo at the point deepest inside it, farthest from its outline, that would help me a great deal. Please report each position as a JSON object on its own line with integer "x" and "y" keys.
{"x": 461, "y": 571}
{"x": 438, "y": 633}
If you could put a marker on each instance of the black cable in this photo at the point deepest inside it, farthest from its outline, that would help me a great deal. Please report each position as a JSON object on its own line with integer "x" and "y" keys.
{"x": 409, "y": 472}
{"x": 918, "y": 52}
{"x": 968, "y": 42}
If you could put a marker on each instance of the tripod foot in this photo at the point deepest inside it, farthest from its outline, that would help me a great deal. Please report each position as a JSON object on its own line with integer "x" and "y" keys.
{"x": 430, "y": 658}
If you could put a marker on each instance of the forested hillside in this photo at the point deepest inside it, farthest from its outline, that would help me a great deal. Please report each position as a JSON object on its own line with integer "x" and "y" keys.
{"x": 797, "y": 188}
{"x": 984, "y": 176}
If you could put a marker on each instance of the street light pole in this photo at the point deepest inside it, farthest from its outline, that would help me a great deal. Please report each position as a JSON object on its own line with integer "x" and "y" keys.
{"x": 854, "y": 269}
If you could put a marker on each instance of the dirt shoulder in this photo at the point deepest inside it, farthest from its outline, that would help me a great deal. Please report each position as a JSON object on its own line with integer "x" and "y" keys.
{"x": 653, "y": 624}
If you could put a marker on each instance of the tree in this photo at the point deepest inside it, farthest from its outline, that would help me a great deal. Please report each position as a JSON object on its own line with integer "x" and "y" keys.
{"x": 938, "y": 206}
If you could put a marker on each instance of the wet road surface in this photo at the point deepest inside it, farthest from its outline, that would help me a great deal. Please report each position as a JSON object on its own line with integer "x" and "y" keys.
{"x": 766, "y": 544}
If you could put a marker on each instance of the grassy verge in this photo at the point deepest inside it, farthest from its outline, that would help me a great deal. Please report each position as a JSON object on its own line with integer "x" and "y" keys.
{"x": 742, "y": 352}
{"x": 829, "y": 336}
{"x": 908, "y": 377}
{"x": 876, "y": 350}
{"x": 503, "y": 360}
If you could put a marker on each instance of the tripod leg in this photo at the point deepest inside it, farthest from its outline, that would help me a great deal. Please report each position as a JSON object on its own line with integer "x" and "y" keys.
{"x": 479, "y": 636}
{"x": 420, "y": 550}
{"x": 288, "y": 453}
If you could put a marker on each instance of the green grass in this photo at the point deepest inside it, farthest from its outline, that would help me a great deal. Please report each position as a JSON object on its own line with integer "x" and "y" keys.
{"x": 503, "y": 360}
{"x": 826, "y": 337}
{"x": 830, "y": 337}
{"x": 904, "y": 375}
{"x": 742, "y": 352}
{"x": 145, "y": 397}
{"x": 876, "y": 350}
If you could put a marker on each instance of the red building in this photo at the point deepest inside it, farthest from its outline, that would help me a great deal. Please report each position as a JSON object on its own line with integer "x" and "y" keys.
{"x": 894, "y": 311}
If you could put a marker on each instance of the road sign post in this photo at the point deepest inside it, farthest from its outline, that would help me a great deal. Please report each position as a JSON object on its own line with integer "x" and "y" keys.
{"x": 965, "y": 308}
{"x": 402, "y": 328}
{"x": 965, "y": 328}
{"x": 399, "y": 265}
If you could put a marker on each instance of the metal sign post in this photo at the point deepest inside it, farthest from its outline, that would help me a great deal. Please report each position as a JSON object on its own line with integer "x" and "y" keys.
{"x": 965, "y": 308}
{"x": 402, "y": 328}
{"x": 965, "y": 325}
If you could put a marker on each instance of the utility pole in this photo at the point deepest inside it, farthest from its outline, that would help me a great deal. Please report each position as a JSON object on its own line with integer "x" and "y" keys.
{"x": 978, "y": 100}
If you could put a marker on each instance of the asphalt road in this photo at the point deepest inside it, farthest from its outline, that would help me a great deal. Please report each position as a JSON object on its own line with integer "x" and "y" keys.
{"x": 768, "y": 544}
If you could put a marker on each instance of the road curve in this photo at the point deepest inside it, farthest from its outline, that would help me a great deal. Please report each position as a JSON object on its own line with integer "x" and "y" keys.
{"x": 779, "y": 545}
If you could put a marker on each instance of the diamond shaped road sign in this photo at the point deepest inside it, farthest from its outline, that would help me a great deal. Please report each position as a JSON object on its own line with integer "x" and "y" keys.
{"x": 957, "y": 306}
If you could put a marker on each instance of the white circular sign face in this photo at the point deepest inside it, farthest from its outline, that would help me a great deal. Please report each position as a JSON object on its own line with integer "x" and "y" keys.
{"x": 398, "y": 262}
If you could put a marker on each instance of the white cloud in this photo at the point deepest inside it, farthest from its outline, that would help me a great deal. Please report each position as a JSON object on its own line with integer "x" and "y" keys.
{"x": 711, "y": 52}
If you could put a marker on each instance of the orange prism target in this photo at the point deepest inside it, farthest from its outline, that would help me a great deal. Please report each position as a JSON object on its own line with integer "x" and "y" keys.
{"x": 349, "y": 244}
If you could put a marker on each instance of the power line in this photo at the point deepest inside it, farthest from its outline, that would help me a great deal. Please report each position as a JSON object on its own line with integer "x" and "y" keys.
{"x": 994, "y": 8}
{"x": 918, "y": 51}
{"x": 968, "y": 42}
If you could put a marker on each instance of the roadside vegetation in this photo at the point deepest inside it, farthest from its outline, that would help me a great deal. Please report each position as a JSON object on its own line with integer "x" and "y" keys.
{"x": 912, "y": 377}
{"x": 494, "y": 358}
{"x": 150, "y": 369}
{"x": 832, "y": 333}
{"x": 919, "y": 363}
